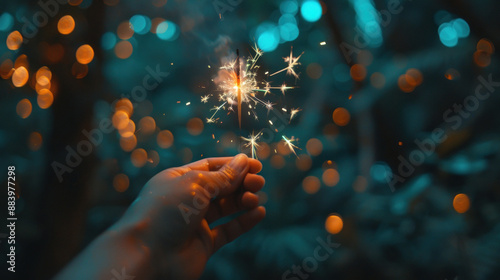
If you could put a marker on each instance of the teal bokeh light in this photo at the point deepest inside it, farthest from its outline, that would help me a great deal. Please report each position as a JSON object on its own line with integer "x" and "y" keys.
{"x": 167, "y": 31}
{"x": 461, "y": 27}
{"x": 448, "y": 35}
{"x": 141, "y": 24}
{"x": 6, "y": 22}
{"x": 311, "y": 10}
{"x": 268, "y": 36}
{"x": 289, "y": 7}
{"x": 108, "y": 40}
{"x": 289, "y": 31}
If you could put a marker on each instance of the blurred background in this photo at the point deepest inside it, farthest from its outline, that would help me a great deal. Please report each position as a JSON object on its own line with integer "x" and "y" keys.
{"x": 395, "y": 128}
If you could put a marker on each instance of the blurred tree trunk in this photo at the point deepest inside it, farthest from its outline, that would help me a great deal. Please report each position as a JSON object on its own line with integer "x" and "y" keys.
{"x": 64, "y": 204}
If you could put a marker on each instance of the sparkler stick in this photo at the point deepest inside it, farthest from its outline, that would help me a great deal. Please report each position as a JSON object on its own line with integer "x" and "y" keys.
{"x": 238, "y": 84}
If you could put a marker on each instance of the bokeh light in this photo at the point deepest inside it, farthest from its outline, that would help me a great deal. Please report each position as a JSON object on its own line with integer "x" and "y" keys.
{"x": 6, "y": 21}
{"x": 79, "y": 70}
{"x": 303, "y": 162}
{"x": 314, "y": 147}
{"x": 108, "y": 40}
{"x": 330, "y": 177}
{"x": 129, "y": 143}
{"x": 289, "y": 7}
{"x": 85, "y": 54}
{"x": 120, "y": 120}
{"x": 45, "y": 98}
{"x": 147, "y": 125}
{"x": 195, "y": 126}
{"x": 66, "y": 25}
{"x": 167, "y": 31}
{"x": 341, "y": 116}
{"x": 140, "y": 24}
{"x": 14, "y": 40}
{"x": 448, "y": 35}
{"x": 268, "y": 36}
{"x": 334, "y": 224}
{"x": 20, "y": 76}
{"x": 461, "y": 203}
{"x": 358, "y": 72}
{"x": 311, "y": 184}
{"x": 121, "y": 182}
{"x": 6, "y": 69}
{"x": 35, "y": 141}
{"x": 23, "y": 108}
{"x": 125, "y": 30}
{"x": 377, "y": 80}
{"x": 125, "y": 105}
{"x": 124, "y": 49}
{"x": 165, "y": 139}
{"x": 311, "y": 10}
{"x": 128, "y": 130}
{"x": 139, "y": 157}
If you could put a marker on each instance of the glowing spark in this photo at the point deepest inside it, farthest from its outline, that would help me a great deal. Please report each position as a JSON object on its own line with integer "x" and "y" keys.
{"x": 290, "y": 145}
{"x": 284, "y": 88}
{"x": 240, "y": 87}
{"x": 269, "y": 106}
{"x": 293, "y": 113}
{"x": 252, "y": 142}
{"x": 205, "y": 98}
{"x": 292, "y": 62}
{"x": 322, "y": 43}
{"x": 189, "y": 103}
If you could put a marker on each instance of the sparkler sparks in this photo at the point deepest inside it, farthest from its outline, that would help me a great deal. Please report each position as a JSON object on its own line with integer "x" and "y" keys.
{"x": 252, "y": 142}
{"x": 290, "y": 145}
{"x": 204, "y": 99}
{"x": 292, "y": 62}
{"x": 293, "y": 113}
{"x": 238, "y": 84}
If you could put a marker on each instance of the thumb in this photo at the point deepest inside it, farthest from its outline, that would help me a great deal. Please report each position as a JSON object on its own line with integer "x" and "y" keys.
{"x": 229, "y": 177}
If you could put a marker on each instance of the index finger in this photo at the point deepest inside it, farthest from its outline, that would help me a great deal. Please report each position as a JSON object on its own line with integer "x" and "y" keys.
{"x": 214, "y": 164}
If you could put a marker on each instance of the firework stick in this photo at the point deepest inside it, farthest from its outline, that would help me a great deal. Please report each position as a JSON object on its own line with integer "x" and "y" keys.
{"x": 238, "y": 84}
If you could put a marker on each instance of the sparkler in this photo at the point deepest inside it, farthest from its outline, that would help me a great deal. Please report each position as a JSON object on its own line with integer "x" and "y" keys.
{"x": 252, "y": 142}
{"x": 239, "y": 84}
{"x": 289, "y": 144}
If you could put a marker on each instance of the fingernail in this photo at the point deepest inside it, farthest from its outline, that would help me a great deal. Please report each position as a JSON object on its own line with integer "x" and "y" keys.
{"x": 239, "y": 162}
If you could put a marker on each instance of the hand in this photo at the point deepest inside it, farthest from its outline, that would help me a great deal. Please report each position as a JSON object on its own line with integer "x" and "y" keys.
{"x": 172, "y": 214}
